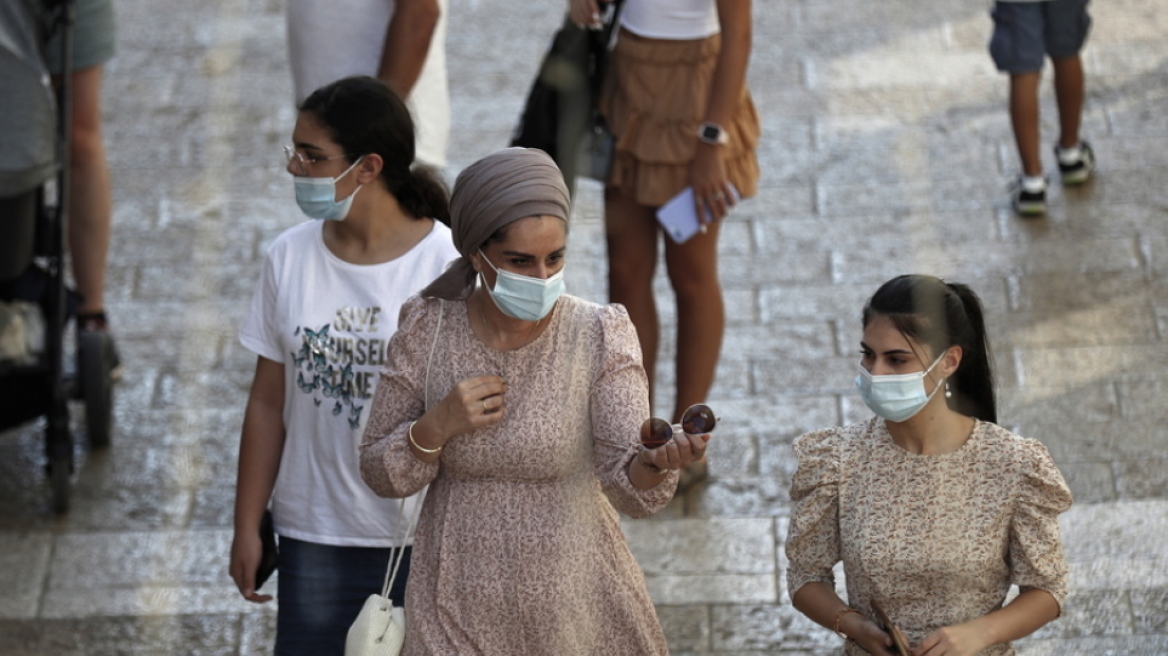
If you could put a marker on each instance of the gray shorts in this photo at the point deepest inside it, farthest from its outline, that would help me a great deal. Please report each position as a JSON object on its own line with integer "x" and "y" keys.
{"x": 93, "y": 37}
{"x": 1025, "y": 33}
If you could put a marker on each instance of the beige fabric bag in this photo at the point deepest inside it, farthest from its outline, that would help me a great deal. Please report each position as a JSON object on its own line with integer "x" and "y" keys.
{"x": 379, "y": 629}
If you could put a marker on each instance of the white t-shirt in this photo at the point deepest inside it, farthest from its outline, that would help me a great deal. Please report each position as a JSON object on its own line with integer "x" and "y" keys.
{"x": 332, "y": 39}
{"x": 329, "y": 323}
{"x": 671, "y": 19}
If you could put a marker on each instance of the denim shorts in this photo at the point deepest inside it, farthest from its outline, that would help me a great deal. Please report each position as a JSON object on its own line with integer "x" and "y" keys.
{"x": 1026, "y": 32}
{"x": 322, "y": 589}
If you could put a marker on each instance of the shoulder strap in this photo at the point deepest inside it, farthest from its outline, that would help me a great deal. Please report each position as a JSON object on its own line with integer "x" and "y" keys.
{"x": 400, "y": 551}
{"x": 430, "y": 359}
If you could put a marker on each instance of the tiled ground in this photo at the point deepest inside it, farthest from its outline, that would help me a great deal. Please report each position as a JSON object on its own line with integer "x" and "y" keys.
{"x": 886, "y": 150}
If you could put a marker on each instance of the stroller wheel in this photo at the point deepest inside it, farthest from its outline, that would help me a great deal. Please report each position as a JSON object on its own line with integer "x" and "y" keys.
{"x": 95, "y": 353}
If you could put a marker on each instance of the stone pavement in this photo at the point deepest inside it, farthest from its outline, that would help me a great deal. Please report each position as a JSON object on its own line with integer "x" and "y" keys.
{"x": 886, "y": 150}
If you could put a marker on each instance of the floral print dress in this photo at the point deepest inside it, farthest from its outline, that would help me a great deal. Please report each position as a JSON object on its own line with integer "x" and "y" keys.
{"x": 519, "y": 549}
{"x": 936, "y": 539}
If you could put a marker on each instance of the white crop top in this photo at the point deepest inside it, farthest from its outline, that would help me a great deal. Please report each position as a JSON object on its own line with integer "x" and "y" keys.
{"x": 671, "y": 19}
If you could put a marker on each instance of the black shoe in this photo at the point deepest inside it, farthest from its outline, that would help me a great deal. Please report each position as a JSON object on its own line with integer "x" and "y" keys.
{"x": 1078, "y": 172}
{"x": 1028, "y": 203}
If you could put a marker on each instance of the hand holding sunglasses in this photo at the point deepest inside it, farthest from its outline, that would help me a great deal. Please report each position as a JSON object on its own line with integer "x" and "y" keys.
{"x": 679, "y": 449}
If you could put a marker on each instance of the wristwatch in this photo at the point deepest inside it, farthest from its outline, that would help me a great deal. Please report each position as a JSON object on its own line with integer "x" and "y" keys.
{"x": 712, "y": 133}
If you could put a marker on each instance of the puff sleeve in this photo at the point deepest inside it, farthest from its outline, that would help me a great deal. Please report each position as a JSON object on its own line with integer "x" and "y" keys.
{"x": 813, "y": 542}
{"x": 619, "y": 403}
{"x": 388, "y": 466}
{"x": 1035, "y": 550}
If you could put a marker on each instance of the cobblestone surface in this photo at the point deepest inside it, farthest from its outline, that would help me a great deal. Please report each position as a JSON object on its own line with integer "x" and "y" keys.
{"x": 886, "y": 150}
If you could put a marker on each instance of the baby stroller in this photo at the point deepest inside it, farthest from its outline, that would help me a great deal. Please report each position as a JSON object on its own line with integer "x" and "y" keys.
{"x": 35, "y": 304}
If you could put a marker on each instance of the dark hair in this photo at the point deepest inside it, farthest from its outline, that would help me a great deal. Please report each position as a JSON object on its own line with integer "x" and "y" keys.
{"x": 941, "y": 314}
{"x": 364, "y": 116}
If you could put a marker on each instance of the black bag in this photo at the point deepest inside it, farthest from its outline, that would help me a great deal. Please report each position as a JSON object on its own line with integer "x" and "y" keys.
{"x": 270, "y": 555}
{"x": 560, "y": 116}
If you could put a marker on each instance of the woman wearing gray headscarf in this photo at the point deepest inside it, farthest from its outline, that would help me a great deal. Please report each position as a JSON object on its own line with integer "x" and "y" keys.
{"x": 520, "y": 406}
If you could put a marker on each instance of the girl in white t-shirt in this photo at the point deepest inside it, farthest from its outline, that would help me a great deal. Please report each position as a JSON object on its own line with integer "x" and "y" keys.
{"x": 320, "y": 322}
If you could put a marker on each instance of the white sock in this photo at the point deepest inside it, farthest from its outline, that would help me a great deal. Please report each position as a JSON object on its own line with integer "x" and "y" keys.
{"x": 1033, "y": 183}
{"x": 1070, "y": 155}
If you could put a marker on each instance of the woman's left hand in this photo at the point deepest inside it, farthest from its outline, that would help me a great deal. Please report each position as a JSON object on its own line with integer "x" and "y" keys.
{"x": 713, "y": 193}
{"x": 678, "y": 452}
{"x": 959, "y": 640}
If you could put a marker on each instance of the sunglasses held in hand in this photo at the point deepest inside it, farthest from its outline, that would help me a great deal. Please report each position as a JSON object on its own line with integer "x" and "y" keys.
{"x": 696, "y": 420}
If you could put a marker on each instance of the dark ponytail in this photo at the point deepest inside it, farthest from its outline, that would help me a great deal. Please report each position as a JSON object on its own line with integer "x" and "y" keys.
{"x": 940, "y": 315}
{"x": 975, "y": 377}
{"x": 364, "y": 116}
{"x": 424, "y": 193}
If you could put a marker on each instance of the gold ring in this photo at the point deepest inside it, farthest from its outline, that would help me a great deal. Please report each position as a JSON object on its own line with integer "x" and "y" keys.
{"x": 484, "y": 402}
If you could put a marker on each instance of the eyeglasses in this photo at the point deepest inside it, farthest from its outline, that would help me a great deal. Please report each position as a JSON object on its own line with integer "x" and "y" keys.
{"x": 303, "y": 161}
{"x": 696, "y": 420}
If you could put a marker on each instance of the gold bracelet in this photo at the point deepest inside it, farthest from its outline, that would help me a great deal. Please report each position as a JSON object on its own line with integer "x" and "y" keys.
{"x": 410, "y": 434}
{"x": 840, "y": 616}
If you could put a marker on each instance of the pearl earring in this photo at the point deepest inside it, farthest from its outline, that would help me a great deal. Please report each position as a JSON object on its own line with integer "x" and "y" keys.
{"x": 948, "y": 393}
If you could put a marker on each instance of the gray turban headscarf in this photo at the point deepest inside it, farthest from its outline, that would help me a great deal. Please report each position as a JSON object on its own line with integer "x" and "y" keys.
{"x": 501, "y": 188}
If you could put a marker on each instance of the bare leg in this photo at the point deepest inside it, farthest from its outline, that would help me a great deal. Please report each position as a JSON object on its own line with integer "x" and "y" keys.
{"x": 1068, "y": 90}
{"x": 1024, "y": 117}
{"x": 89, "y": 199}
{"x": 701, "y": 316}
{"x": 631, "y": 235}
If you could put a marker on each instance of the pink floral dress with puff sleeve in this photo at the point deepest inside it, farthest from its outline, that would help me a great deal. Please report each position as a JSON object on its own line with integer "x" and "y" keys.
{"x": 936, "y": 539}
{"x": 519, "y": 550}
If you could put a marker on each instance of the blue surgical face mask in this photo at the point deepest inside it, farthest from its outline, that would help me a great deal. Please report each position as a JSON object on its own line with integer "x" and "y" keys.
{"x": 896, "y": 397}
{"x": 317, "y": 196}
{"x": 524, "y": 297}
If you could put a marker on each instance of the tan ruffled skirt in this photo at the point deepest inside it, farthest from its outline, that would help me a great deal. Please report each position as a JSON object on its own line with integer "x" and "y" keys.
{"x": 654, "y": 101}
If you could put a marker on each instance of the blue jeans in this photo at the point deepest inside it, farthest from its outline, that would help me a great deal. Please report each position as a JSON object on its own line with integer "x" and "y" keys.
{"x": 322, "y": 589}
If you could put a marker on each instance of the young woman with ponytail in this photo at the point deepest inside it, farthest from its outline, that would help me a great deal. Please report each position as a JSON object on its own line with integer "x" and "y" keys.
{"x": 325, "y": 308}
{"x": 934, "y": 510}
